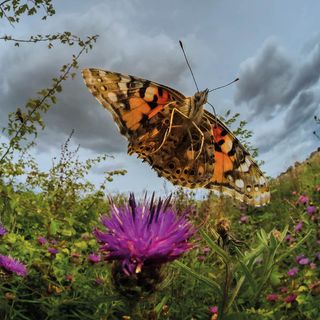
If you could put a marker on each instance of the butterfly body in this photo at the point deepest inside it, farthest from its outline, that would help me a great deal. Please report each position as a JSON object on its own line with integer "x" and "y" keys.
{"x": 175, "y": 134}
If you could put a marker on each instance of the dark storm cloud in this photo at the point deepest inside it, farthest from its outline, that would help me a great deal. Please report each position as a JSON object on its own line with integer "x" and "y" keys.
{"x": 121, "y": 47}
{"x": 306, "y": 75}
{"x": 280, "y": 96}
{"x": 271, "y": 81}
{"x": 263, "y": 79}
{"x": 296, "y": 123}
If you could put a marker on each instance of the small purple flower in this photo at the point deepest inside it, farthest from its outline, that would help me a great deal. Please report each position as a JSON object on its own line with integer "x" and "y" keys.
{"x": 201, "y": 258}
{"x": 304, "y": 261}
{"x": 53, "y": 241}
{"x": 313, "y": 265}
{"x": 318, "y": 255}
{"x": 94, "y": 258}
{"x": 206, "y": 250}
{"x": 290, "y": 298}
{"x": 303, "y": 199}
{"x": 53, "y": 251}
{"x": 12, "y": 265}
{"x": 3, "y": 230}
{"x": 214, "y": 309}
{"x": 292, "y": 272}
{"x": 289, "y": 238}
{"x": 144, "y": 234}
{"x": 243, "y": 219}
{"x": 298, "y": 227}
{"x": 299, "y": 257}
{"x": 42, "y": 240}
{"x": 272, "y": 297}
{"x": 311, "y": 210}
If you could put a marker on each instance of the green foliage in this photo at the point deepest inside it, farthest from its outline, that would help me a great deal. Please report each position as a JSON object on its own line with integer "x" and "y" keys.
{"x": 13, "y": 10}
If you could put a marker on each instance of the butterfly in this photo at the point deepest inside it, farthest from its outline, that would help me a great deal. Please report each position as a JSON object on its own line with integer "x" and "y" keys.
{"x": 182, "y": 141}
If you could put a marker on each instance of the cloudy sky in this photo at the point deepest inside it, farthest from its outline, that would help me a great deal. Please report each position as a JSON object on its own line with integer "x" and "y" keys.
{"x": 273, "y": 46}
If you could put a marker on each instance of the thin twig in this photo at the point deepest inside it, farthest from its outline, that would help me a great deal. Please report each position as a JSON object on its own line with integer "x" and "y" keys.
{"x": 4, "y": 2}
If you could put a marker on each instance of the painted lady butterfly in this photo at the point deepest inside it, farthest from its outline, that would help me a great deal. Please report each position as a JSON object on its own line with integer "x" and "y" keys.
{"x": 180, "y": 140}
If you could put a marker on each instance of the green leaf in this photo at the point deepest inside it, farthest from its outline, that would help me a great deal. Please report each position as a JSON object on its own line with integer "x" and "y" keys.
{"x": 215, "y": 247}
{"x": 53, "y": 228}
{"x": 209, "y": 282}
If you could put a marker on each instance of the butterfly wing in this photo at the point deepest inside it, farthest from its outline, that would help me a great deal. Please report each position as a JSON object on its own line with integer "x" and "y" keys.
{"x": 235, "y": 172}
{"x": 132, "y": 101}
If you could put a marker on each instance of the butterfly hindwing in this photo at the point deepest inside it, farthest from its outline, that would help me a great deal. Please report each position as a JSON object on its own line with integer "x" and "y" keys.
{"x": 235, "y": 172}
{"x": 181, "y": 158}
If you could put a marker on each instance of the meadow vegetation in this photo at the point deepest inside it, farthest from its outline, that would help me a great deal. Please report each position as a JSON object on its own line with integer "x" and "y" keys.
{"x": 240, "y": 263}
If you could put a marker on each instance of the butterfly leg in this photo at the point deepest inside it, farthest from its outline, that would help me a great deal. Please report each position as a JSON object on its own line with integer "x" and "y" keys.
{"x": 202, "y": 139}
{"x": 168, "y": 131}
{"x": 193, "y": 123}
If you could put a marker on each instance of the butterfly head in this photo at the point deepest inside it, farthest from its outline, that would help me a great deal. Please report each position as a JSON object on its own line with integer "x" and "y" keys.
{"x": 200, "y": 98}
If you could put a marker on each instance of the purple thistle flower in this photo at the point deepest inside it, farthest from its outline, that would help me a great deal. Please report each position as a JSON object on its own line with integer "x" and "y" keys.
{"x": 292, "y": 272}
{"x": 290, "y": 298}
{"x": 304, "y": 261}
{"x": 298, "y": 227}
{"x": 94, "y": 258}
{"x": 272, "y": 297}
{"x": 3, "y": 230}
{"x": 299, "y": 257}
{"x": 144, "y": 234}
{"x": 206, "y": 250}
{"x": 303, "y": 199}
{"x": 53, "y": 251}
{"x": 12, "y": 265}
{"x": 243, "y": 219}
{"x": 42, "y": 240}
{"x": 289, "y": 238}
{"x": 214, "y": 309}
{"x": 311, "y": 210}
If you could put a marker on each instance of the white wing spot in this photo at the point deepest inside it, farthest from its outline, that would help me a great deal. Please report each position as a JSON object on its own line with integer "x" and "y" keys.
{"x": 123, "y": 86}
{"x": 244, "y": 167}
{"x": 230, "y": 178}
{"x": 262, "y": 181}
{"x": 112, "y": 96}
{"x": 239, "y": 183}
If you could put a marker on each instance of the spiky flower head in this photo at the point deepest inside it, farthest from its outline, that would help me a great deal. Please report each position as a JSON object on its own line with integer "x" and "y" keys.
{"x": 11, "y": 265}
{"x": 145, "y": 234}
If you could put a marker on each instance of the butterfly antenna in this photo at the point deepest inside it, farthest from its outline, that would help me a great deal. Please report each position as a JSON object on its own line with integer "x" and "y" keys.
{"x": 185, "y": 56}
{"x": 228, "y": 84}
